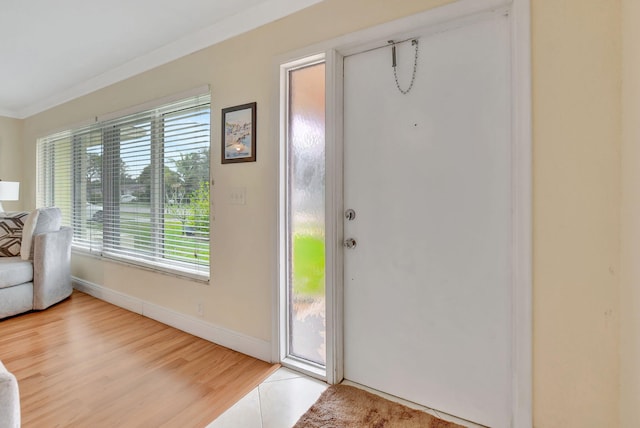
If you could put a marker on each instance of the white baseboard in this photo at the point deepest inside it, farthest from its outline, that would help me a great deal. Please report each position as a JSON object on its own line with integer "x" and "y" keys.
{"x": 248, "y": 345}
{"x": 114, "y": 297}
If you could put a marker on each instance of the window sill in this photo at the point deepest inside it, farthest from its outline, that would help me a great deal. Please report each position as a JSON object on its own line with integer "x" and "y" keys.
{"x": 176, "y": 273}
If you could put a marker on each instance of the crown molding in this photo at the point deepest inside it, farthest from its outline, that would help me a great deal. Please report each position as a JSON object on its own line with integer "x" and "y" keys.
{"x": 9, "y": 113}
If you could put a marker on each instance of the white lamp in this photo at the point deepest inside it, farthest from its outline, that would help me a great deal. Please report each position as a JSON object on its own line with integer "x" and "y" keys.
{"x": 9, "y": 191}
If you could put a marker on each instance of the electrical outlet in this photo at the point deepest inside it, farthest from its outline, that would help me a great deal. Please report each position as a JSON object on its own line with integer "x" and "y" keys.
{"x": 200, "y": 309}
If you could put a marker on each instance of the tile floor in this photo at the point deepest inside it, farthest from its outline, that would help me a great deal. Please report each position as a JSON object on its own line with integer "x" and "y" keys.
{"x": 283, "y": 397}
{"x": 278, "y": 402}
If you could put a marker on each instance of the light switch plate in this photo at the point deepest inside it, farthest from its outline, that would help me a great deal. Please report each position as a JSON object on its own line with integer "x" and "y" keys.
{"x": 238, "y": 196}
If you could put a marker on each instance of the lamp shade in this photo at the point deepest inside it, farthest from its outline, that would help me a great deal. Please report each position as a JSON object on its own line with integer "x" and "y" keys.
{"x": 9, "y": 190}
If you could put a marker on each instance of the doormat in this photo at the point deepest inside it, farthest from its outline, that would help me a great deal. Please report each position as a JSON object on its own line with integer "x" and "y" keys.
{"x": 346, "y": 406}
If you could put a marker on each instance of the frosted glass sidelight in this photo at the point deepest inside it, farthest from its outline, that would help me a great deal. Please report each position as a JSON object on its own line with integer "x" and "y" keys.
{"x": 306, "y": 226}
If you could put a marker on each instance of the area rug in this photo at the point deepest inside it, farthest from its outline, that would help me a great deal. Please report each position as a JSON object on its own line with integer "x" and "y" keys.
{"x": 346, "y": 406}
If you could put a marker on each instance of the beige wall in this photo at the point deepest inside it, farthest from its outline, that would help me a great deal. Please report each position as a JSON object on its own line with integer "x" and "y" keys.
{"x": 576, "y": 174}
{"x": 630, "y": 220}
{"x": 11, "y": 156}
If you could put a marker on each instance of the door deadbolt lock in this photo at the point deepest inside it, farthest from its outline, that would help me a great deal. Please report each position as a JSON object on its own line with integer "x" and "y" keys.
{"x": 350, "y": 214}
{"x": 350, "y": 243}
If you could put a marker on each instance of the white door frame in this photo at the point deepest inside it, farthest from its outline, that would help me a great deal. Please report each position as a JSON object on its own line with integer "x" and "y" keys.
{"x": 521, "y": 268}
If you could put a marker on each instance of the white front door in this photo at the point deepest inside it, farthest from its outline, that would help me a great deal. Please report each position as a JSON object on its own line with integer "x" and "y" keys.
{"x": 428, "y": 286}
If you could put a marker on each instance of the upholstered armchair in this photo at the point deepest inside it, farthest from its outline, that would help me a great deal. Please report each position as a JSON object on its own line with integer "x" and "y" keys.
{"x": 9, "y": 399}
{"x": 35, "y": 257}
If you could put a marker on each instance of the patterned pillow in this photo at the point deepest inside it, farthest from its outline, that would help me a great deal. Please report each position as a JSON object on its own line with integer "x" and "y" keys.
{"x": 11, "y": 225}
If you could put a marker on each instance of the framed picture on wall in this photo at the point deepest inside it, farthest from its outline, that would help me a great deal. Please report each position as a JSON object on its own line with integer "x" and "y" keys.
{"x": 239, "y": 133}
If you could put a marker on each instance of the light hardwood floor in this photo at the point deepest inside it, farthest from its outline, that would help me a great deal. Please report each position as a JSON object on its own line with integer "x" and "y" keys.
{"x": 87, "y": 363}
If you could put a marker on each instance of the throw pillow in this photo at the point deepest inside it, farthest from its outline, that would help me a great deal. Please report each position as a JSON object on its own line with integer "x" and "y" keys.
{"x": 11, "y": 225}
{"x": 45, "y": 220}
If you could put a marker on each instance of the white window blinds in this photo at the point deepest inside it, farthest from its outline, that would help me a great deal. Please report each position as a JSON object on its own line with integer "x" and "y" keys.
{"x": 136, "y": 188}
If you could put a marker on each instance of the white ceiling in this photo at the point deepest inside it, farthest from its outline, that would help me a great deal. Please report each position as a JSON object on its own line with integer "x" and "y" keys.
{"x": 52, "y": 51}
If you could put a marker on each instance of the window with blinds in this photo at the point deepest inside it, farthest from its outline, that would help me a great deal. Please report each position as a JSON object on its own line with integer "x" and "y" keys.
{"x": 135, "y": 188}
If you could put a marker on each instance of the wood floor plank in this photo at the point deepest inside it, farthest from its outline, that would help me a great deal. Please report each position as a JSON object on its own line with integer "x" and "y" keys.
{"x": 85, "y": 362}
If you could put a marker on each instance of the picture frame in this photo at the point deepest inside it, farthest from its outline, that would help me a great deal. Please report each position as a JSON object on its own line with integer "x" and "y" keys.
{"x": 238, "y": 141}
